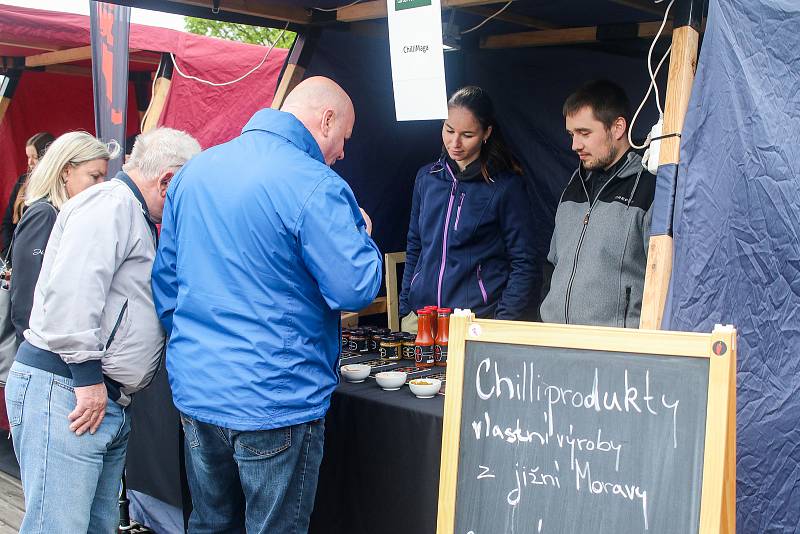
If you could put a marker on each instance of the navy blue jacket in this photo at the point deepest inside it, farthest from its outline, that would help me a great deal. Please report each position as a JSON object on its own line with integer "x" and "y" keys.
{"x": 470, "y": 243}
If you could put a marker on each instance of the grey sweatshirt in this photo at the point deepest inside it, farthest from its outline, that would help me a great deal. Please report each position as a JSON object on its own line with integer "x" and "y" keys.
{"x": 598, "y": 252}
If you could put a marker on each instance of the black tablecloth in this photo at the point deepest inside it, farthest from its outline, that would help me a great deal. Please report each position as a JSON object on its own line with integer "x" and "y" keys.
{"x": 379, "y": 473}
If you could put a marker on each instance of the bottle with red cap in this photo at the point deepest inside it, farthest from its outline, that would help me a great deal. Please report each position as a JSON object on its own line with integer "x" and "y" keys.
{"x": 423, "y": 345}
{"x": 432, "y": 310}
{"x": 440, "y": 340}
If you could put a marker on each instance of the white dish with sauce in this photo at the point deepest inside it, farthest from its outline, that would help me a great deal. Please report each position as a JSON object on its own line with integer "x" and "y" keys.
{"x": 425, "y": 388}
{"x": 391, "y": 380}
{"x": 355, "y": 372}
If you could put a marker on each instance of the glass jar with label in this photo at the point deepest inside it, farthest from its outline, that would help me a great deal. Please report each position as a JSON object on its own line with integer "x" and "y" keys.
{"x": 408, "y": 345}
{"x": 345, "y": 340}
{"x": 391, "y": 348}
{"x": 376, "y": 336}
{"x": 358, "y": 341}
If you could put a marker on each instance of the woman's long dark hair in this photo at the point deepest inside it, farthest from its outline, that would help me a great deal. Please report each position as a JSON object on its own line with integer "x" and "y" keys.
{"x": 495, "y": 153}
{"x": 40, "y": 142}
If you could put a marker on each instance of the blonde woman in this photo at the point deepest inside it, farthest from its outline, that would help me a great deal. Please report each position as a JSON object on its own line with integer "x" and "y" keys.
{"x": 73, "y": 162}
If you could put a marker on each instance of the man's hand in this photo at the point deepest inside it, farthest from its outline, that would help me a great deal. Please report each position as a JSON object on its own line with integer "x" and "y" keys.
{"x": 90, "y": 408}
{"x": 367, "y": 220}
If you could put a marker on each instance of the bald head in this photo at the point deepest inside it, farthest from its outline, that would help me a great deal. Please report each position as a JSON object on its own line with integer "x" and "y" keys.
{"x": 326, "y": 111}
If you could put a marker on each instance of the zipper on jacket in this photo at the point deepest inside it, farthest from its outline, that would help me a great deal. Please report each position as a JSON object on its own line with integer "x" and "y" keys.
{"x": 627, "y": 304}
{"x": 583, "y": 233}
{"x": 116, "y": 325}
{"x": 444, "y": 237}
{"x": 458, "y": 211}
{"x": 480, "y": 285}
{"x": 575, "y": 264}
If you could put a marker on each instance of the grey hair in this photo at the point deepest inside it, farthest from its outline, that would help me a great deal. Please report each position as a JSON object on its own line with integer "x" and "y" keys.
{"x": 160, "y": 150}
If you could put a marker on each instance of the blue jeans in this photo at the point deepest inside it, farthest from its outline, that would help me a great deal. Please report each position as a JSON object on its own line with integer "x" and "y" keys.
{"x": 71, "y": 483}
{"x": 262, "y": 482}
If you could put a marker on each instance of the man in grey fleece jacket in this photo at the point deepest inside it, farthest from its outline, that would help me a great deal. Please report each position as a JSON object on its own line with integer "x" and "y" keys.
{"x": 598, "y": 254}
{"x": 94, "y": 340}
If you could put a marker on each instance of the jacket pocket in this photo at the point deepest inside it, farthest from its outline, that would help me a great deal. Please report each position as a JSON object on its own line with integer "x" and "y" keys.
{"x": 16, "y": 388}
{"x": 627, "y": 307}
{"x": 117, "y": 324}
{"x": 190, "y": 431}
{"x": 458, "y": 211}
{"x": 481, "y": 286}
{"x": 414, "y": 279}
{"x": 264, "y": 443}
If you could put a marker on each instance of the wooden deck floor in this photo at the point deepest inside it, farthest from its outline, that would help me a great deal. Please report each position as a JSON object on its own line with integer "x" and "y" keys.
{"x": 12, "y": 504}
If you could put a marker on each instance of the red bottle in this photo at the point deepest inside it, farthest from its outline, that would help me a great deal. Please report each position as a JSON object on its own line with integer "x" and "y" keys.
{"x": 423, "y": 345}
{"x": 432, "y": 310}
{"x": 440, "y": 341}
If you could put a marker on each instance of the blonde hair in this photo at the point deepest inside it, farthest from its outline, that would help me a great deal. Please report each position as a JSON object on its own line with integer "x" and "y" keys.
{"x": 72, "y": 148}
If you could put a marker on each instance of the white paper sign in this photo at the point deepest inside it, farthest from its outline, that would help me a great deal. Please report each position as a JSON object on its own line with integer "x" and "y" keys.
{"x": 415, "y": 43}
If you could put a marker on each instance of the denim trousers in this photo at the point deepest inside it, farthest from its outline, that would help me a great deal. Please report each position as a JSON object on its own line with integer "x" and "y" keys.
{"x": 71, "y": 483}
{"x": 259, "y": 482}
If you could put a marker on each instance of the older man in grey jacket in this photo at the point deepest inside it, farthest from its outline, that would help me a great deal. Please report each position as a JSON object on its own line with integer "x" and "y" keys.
{"x": 94, "y": 340}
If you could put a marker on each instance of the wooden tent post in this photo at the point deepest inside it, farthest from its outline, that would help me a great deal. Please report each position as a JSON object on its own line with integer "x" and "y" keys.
{"x": 160, "y": 92}
{"x": 391, "y": 260}
{"x": 296, "y": 64}
{"x": 682, "y": 67}
{"x": 7, "y": 90}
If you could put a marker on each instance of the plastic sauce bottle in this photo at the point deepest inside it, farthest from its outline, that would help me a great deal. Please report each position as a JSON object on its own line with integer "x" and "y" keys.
{"x": 423, "y": 345}
{"x": 440, "y": 342}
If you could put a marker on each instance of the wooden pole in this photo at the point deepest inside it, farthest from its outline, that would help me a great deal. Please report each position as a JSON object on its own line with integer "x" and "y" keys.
{"x": 391, "y": 259}
{"x": 376, "y": 9}
{"x": 7, "y": 91}
{"x": 682, "y": 68}
{"x": 296, "y": 64}
{"x": 59, "y": 56}
{"x": 4, "y": 103}
{"x": 160, "y": 92}
{"x": 568, "y": 36}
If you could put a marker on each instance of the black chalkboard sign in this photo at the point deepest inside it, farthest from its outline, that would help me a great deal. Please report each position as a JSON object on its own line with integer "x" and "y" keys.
{"x": 570, "y": 429}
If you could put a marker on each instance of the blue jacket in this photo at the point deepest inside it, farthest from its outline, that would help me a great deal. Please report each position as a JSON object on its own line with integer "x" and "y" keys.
{"x": 469, "y": 243}
{"x": 262, "y": 245}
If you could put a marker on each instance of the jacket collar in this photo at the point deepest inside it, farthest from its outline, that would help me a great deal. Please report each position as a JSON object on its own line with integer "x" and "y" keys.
{"x": 287, "y": 126}
{"x": 123, "y": 177}
{"x": 470, "y": 174}
{"x": 628, "y": 165}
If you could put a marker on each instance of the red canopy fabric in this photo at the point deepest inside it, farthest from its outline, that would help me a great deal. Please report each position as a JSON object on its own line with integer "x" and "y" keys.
{"x": 55, "y": 102}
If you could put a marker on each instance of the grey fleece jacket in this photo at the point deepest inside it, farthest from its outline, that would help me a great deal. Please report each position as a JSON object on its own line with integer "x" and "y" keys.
{"x": 598, "y": 252}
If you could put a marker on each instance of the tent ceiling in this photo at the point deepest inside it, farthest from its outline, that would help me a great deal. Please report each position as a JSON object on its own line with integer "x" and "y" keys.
{"x": 521, "y": 15}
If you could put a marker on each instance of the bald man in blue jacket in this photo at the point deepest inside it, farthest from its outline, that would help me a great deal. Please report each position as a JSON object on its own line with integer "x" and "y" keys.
{"x": 262, "y": 246}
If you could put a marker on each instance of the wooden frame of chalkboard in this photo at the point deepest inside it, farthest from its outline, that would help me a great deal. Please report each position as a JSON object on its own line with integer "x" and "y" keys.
{"x": 706, "y": 502}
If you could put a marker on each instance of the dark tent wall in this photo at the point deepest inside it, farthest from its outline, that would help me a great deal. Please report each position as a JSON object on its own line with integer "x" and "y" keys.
{"x": 737, "y": 239}
{"x": 528, "y": 87}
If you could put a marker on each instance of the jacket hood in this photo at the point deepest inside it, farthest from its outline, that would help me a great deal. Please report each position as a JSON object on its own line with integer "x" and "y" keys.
{"x": 632, "y": 166}
{"x": 287, "y": 126}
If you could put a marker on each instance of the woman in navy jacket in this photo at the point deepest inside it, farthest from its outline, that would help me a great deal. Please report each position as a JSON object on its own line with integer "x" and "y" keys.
{"x": 469, "y": 238}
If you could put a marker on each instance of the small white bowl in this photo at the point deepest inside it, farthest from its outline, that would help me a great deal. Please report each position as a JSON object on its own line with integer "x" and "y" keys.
{"x": 355, "y": 372}
{"x": 391, "y": 380}
{"x": 425, "y": 388}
